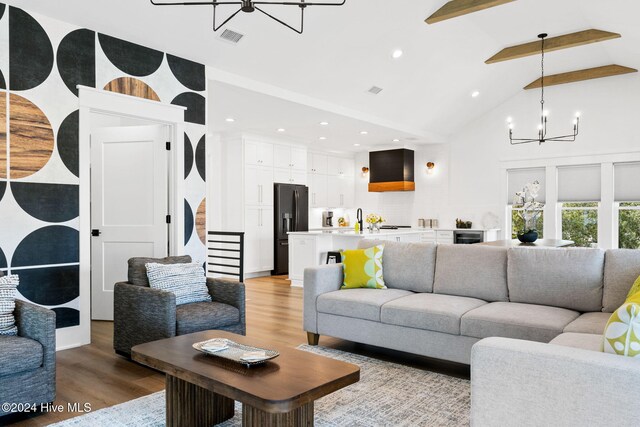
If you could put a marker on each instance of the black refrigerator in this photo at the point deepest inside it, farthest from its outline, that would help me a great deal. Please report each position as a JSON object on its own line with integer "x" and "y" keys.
{"x": 291, "y": 213}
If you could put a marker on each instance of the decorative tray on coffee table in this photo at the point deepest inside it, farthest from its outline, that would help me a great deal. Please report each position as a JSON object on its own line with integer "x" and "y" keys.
{"x": 239, "y": 353}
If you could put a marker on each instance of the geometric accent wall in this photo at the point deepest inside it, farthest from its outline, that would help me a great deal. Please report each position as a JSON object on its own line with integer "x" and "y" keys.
{"x": 42, "y": 60}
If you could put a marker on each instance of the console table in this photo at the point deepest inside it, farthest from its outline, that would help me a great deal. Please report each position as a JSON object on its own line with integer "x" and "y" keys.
{"x": 541, "y": 243}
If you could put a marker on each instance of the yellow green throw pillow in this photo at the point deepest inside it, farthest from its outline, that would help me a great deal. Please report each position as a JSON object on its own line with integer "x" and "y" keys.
{"x": 363, "y": 268}
{"x": 634, "y": 289}
{"x": 622, "y": 333}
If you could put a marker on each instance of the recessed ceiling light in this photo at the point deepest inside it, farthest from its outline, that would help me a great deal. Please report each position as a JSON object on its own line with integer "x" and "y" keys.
{"x": 397, "y": 53}
{"x": 324, "y": 123}
{"x": 356, "y": 145}
{"x": 396, "y": 140}
{"x": 475, "y": 94}
{"x": 322, "y": 138}
{"x": 364, "y": 132}
{"x": 230, "y": 119}
{"x": 281, "y": 130}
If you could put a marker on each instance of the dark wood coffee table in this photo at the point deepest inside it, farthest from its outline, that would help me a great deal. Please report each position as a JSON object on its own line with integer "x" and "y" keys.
{"x": 201, "y": 389}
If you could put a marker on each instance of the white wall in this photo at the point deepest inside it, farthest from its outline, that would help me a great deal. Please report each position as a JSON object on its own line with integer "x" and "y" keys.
{"x": 468, "y": 181}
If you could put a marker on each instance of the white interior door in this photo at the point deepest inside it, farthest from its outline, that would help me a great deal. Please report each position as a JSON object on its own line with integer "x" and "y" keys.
{"x": 129, "y": 205}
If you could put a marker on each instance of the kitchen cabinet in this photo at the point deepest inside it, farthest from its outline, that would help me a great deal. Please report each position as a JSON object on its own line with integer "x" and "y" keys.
{"x": 288, "y": 176}
{"x": 258, "y": 153}
{"x": 444, "y": 236}
{"x": 258, "y": 227}
{"x": 302, "y": 254}
{"x": 289, "y": 157}
{"x": 341, "y": 166}
{"x": 318, "y": 164}
{"x": 340, "y": 192}
{"x": 258, "y": 186}
{"x": 318, "y": 191}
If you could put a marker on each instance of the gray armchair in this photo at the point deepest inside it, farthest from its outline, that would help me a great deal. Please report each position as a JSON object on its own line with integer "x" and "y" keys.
{"x": 142, "y": 314}
{"x": 28, "y": 361}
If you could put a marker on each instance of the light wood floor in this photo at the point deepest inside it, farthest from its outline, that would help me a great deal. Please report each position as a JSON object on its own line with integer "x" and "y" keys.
{"x": 94, "y": 374}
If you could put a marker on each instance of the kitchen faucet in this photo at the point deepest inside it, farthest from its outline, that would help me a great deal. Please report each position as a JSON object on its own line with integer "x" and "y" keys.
{"x": 359, "y": 218}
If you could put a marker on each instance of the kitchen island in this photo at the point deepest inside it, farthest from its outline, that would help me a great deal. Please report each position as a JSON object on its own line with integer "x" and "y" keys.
{"x": 310, "y": 248}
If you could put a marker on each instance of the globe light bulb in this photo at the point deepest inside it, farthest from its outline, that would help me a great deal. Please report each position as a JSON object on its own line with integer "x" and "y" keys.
{"x": 578, "y": 114}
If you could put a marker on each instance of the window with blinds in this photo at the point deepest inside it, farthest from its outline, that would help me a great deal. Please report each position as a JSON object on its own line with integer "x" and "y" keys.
{"x": 627, "y": 195}
{"x": 518, "y": 178}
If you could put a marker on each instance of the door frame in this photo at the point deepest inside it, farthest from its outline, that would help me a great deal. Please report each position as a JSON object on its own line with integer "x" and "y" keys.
{"x": 92, "y": 101}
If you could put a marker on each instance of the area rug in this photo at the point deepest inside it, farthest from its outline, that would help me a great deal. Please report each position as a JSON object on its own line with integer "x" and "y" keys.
{"x": 387, "y": 394}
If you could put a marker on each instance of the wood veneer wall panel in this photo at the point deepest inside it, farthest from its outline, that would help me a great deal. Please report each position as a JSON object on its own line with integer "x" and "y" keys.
{"x": 132, "y": 87}
{"x": 3, "y": 134}
{"x": 30, "y": 137}
{"x": 201, "y": 221}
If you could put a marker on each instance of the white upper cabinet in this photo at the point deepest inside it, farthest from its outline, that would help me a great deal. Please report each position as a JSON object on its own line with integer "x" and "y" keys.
{"x": 318, "y": 164}
{"x": 318, "y": 191}
{"x": 258, "y": 153}
{"x": 340, "y": 192}
{"x": 289, "y": 157}
{"x": 341, "y": 166}
{"x": 258, "y": 186}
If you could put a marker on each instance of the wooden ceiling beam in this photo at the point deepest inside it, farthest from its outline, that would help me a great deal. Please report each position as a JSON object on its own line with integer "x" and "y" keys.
{"x": 566, "y": 41}
{"x": 581, "y": 75}
{"x": 456, "y": 8}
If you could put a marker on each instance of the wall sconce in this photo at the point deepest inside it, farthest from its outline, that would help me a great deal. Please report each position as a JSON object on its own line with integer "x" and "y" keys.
{"x": 430, "y": 167}
{"x": 365, "y": 171}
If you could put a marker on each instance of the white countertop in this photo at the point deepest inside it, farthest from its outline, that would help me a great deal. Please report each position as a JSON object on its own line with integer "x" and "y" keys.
{"x": 350, "y": 232}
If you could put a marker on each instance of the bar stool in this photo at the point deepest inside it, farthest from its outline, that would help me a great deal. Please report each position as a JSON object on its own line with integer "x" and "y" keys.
{"x": 334, "y": 257}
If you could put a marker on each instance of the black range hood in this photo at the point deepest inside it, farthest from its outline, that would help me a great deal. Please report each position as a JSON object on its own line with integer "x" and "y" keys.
{"x": 391, "y": 170}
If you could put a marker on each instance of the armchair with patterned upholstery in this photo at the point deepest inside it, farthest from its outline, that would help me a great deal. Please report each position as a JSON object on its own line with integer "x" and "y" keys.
{"x": 143, "y": 314}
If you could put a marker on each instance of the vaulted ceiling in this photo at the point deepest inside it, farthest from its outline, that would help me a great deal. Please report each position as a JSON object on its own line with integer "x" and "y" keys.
{"x": 346, "y": 50}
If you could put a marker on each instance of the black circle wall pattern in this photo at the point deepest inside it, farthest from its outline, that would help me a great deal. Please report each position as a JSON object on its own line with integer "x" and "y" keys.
{"x": 30, "y": 51}
{"x": 201, "y": 158}
{"x": 129, "y": 57}
{"x": 2, "y": 7}
{"x": 47, "y": 202}
{"x": 3, "y": 259}
{"x": 189, "y": 73}
{"x": 66, "y": 317}
{"x": 195, "y": 104}
{"x": 50, "y": 285}
{"x": 76, "y": 59}
{"x": 68, "y": 142}
{"x": 3, "y": 188}
{"x": 54, "y": 244}
{"x": 3, "y": 83}
{"x": 188, "y": 156}
{"x": 188, "y": 222}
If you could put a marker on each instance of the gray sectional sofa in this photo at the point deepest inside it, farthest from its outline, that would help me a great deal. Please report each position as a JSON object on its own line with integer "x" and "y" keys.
{"x": 441, "y": 300}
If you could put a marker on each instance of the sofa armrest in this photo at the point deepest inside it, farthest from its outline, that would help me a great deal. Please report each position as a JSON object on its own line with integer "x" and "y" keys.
{"x": 318, "y": 281}
{"x": 39, "y": 324}
{"x": 515, "y": 382}
{"x": 140, "y": 315}
{"x": 231, "y": 293}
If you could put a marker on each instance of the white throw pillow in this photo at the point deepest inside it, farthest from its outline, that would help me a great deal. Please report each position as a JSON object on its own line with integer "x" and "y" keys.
{"x": 8, "y": 285}
{"x": 185, "y": 280}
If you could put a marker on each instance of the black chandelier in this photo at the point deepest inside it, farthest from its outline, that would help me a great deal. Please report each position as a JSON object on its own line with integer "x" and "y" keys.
{"x": 542, "y": 127}
{"x": 249, "y": 6}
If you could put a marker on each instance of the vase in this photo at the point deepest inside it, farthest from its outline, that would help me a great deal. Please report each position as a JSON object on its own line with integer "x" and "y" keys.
{"x": 376, "y": 227}
{"x": 528, "y": 237}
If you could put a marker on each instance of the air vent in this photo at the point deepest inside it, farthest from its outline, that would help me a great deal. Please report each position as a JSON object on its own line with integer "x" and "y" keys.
{"x": 375, "y": 90}
{"x": 231, "y": 36}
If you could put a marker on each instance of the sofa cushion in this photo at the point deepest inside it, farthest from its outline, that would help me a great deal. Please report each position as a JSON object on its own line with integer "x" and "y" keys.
{"x": 591, "y": 342}
{"x": 434, "y": 312}
{"x": 621, "y": 269}
{"x": 568, "y": 278}
{"x": 359, "y": 303}
{"x": 589, "y": 323}
{"x": 137, "y": 272}
{"x": 514, "y": 320}
{"x": 19, "y": 354}
{"x": 408, "y": 266}
{"x": 472, "y": 271}
{"x": 202, "y": 316}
